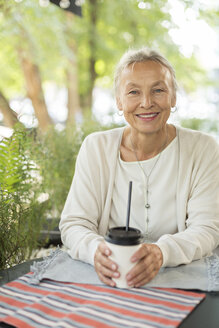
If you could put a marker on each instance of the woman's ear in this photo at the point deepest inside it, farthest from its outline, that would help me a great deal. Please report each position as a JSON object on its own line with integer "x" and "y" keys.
{"x": 173, "y": 100}
{"x": 119, "y": 103}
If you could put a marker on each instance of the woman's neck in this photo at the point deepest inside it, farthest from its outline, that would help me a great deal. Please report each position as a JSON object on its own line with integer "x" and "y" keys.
{"x": 148, "y": 146}
{"x": 145, "y": 146}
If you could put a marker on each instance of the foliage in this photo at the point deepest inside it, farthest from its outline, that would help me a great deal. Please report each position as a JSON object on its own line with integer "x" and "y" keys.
{"x": 45, "y": 39}
{"x": 55, "y": 154}
{"x": 33, "y": 166}
{"x": 112, "y": 35}
{"x": 148, "y": 26}
{"x": 205, "y": 125}
{"x": 21, "y": 214}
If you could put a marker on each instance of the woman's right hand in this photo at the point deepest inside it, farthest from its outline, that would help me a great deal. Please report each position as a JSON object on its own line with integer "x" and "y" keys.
{"x": 105, "y": 268}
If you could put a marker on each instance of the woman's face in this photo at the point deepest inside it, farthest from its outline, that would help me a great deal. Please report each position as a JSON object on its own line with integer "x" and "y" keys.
{"x": 146, "y": 96}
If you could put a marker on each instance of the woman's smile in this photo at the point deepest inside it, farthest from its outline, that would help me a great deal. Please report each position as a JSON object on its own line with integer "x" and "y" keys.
{"x": 148, "y": 116}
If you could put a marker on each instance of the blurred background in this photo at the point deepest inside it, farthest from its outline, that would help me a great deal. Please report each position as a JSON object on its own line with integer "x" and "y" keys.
{"x": 57, "y": 62}
{"x": 57, "y": 57}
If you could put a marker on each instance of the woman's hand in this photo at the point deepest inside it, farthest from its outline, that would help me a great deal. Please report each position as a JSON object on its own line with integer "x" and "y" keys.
{"x": 150, "y": 259}
{"x": 105, "y": 268}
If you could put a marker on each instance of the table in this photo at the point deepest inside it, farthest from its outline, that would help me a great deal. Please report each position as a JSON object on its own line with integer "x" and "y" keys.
{"x": 205, "y": 314}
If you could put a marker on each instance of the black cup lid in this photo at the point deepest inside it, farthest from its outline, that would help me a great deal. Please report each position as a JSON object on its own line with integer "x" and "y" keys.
{"x": 120, "y": 236}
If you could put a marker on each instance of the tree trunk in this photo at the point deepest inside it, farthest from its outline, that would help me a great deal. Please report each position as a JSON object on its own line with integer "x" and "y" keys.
{"x": 34, "y": 90}
{"x": 73, "y": 96}
{"x": 10, "y": 117}
{"x": 93, "y": 11}
{"x": 72, "y": 78}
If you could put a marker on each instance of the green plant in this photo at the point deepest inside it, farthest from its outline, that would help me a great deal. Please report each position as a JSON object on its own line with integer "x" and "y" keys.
{"x": 205, "y": 125}
{"x": 36, "y": 172}
{"x": 21, "y": 214}
{"x": 55, "y": 154}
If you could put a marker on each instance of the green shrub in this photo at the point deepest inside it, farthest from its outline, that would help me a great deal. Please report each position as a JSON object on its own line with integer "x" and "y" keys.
{"x": 36, "y": 172}
{"x": 205, "y": 125}
{"x": 21, "y": 214}
{"x": 55, "y": 154}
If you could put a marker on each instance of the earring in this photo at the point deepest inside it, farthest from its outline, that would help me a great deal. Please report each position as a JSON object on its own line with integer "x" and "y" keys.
{"x": 174, "y": 109}
{"x": 120, "y": 113}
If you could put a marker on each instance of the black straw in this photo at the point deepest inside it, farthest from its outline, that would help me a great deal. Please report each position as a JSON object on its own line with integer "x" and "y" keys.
{"x": 129, "y": 205}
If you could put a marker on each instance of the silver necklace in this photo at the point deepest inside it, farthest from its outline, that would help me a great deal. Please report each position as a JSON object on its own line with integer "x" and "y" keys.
{"x": 147, "y": 176}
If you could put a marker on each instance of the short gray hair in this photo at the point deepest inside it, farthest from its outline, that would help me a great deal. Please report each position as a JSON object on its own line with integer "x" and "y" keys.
{"x": 142, "y": 55}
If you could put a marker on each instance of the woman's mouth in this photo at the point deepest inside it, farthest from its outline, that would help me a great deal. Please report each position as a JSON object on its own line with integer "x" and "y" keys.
{"x": 147, "y": 116}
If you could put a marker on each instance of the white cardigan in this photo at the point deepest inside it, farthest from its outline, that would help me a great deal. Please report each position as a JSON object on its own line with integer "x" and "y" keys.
{"x": 85, "y": 216}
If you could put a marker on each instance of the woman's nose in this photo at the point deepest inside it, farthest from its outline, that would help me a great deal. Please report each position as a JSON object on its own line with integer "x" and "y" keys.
{"x": 146, "y": 101}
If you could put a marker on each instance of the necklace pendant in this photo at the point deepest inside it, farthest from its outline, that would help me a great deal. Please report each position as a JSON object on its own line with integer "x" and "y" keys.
{"x": 147, "y": 206}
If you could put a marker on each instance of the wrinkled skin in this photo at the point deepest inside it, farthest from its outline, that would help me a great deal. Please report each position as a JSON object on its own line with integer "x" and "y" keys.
{"x": 148, "y": 261}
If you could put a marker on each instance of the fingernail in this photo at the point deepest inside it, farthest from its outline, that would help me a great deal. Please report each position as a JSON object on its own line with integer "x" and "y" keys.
{"x": 130, "y": 284}
{"x": 113, "y": 267}
{"x": 107, "y": 252}
{"x": 133, "y": 259}
{"x": 129, "y": 277}
{"x": 116, "y": 274}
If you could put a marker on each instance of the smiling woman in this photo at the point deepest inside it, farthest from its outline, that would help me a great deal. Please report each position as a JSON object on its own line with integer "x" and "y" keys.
{"x": 146, "y": 96}
{"x": 175, "y": 174}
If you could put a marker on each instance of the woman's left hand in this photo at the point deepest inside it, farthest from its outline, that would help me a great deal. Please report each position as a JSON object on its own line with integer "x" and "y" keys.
{"x": 150, "y": 259}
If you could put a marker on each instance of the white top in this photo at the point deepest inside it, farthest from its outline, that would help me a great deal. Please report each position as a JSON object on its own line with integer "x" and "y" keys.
{"x": 162, "y": 211}
{"x": 85, "y": 217}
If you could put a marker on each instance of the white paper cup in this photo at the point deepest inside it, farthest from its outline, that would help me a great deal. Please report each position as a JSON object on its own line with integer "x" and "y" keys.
{"x": 123, "y": 244}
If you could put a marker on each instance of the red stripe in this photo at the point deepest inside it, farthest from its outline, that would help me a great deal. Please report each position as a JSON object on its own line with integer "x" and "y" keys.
{"x": 27, "y": 288}
{"x": 118, "y": 309}
{"x": 88, "y": 321}
{"x": 49, "y": 311}
{"x": 74, "y": 316}
{"x": 17, "y": 322}
{"x": 13, "y": 302}
{"x": 139, "y": 297}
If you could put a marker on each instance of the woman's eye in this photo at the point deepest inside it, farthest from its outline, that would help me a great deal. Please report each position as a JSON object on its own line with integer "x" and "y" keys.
{"x": 158, "y": 90}
{"x": 133, "y": 92}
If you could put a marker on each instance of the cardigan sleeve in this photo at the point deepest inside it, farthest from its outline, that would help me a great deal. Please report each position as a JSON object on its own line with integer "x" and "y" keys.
{"x": 82, "y": 210}
{"x": 201, "y": 233}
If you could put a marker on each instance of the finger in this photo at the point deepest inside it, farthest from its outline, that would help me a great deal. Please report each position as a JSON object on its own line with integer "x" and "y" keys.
{"x": 140, "y": 253}
{"x": 107, "y": 262}
{"x": 104, "y": 249}
{"x": 107, "y": 272}
{"x": 143, "y": 271}
{"x": 145, "y": 280}
{"x": 143, "y": 266}
{"x": 102, "y": 257}
{"x": 106, "y": 280}
{"x": 143, "y": 275}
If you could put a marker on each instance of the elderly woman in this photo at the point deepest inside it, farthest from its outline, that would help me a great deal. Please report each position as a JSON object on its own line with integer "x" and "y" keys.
{"x": 175, "y": 174}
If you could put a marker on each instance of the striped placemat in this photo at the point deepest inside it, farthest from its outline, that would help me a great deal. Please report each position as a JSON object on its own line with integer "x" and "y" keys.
{"x": 57, "y": 304}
